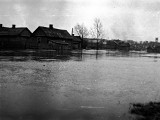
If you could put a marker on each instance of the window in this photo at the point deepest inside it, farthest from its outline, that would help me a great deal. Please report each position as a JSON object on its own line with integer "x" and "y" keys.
{"x": 38, "y": 40}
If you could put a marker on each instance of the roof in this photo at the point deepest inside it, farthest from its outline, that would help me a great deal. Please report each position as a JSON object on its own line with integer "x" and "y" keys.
{"x": 15, "y": 31}
{"x": 55, "y": 33}
{"x": 12, "y": 31}
{"x": 4, "y": 31}
{"x": 124, "y": 44}
{"x": 77, "y": 38}
{"x": 112, "y": 42}
{"x": 119, "y": 42}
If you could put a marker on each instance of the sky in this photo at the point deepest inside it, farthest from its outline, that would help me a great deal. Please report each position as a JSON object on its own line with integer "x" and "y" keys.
{"x": 137, "y": 20}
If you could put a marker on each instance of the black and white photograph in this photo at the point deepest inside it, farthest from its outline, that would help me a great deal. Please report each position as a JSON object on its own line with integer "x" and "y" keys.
{"x": 79, "y": 59}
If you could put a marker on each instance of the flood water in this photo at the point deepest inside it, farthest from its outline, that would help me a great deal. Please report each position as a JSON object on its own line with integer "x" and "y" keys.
{"x": 76, "y": 86}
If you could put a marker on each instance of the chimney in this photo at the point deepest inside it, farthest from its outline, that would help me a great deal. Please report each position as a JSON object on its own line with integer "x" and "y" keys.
{"x": 13, "y": 26}
{"x": 50, "y": 26}
{"x": 1, "y": 25}
{"x": 72, "y": 32}
{"x": 156, "y": 40}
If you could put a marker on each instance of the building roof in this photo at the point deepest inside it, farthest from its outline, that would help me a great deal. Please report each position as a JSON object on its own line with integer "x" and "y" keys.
{"x": 77, "y": 38}
{"x": 55, "y": 33}
{"x": 12, "y": 31}
{"x": 124, "y": 44}
{"x": 16, "y": 31}
{"x": 4, "y": 31}
{"x": 119, "y": 43}
{"x": 109, "y": 42}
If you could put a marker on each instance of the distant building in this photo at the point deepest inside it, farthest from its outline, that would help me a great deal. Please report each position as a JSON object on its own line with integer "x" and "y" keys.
{"x": 13, "y": 38}
{"x": 123, "y": 46}
{"x": 50, "y": 38}
{"x": 112, "y": 45}
{"x": 117, "y": 45}
{"x": 93, "y": 43}
{"x": 153, "y": 47}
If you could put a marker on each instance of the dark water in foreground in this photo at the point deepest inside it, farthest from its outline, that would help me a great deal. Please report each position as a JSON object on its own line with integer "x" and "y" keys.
{"x": 76, "y": 86}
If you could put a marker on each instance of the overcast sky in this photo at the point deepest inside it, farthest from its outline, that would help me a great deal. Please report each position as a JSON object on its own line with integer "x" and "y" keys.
{"x": 123, "y": 19}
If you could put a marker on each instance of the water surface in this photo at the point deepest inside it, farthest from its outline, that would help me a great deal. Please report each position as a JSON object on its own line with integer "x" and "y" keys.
{"x": 87, "y": 85}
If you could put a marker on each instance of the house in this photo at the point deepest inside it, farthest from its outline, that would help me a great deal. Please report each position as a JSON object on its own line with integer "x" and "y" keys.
{"x": 14, "y": 37}
{"x": 150, "y": 49}
{"x": 153, "y": 49}
{"x": 112, "y": 45}
{"x": 94, "y": 43}
{"x": 123, "y": 46}
{"x": 91, "y": 43}
{"x": 77, "y": 42}
{"x": 50, "y": 38}
{"x": 117, "y": 45}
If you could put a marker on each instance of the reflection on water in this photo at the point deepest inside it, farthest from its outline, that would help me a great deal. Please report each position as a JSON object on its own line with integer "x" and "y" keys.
{"x": 34, "y": 55}
{"x": 48, "y": 55}
{"x": 77, "y": 85}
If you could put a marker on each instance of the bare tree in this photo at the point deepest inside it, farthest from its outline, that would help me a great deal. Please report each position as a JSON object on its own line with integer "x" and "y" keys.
{"x": 97, "y": 30}
{"x": 82, "y": 31}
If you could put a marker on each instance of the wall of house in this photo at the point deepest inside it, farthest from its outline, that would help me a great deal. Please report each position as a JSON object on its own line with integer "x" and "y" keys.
{"x": 22, "y": 42}
{"x": 31, "y": 43}
{"x": 70, "y": 44}
{"x": 12, "y": 42}
{"x": 43, "y": 44}
{"x": 37, "y": 43}
{"x": 76, "y": 45}
{"x": 59, "y": 46}
{"x": 15, "y": 42}
{"x": 111, "y": 45}
{"x": 38, "y": 40}
{"x": 3, "y": 42}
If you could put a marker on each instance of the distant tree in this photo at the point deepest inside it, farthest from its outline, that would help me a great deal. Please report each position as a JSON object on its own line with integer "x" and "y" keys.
{"x": 97, "y": 30}
{"x": 82, "y": 31}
